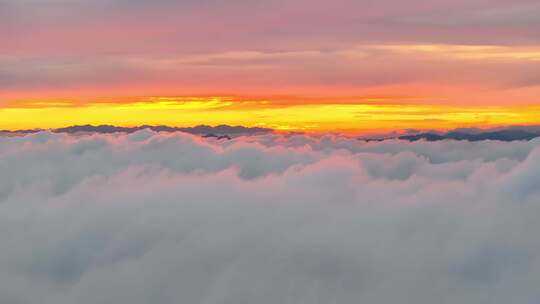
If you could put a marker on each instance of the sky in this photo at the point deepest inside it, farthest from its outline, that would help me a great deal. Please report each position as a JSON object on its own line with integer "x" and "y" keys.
{"x": 311, "y": 216}
{"x": 302, "y": 65}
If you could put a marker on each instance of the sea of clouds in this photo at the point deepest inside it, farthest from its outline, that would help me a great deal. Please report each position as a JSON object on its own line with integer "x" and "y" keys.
{"x": 269, "y": 219}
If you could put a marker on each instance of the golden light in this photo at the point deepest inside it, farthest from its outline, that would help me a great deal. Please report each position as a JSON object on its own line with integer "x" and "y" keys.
{"x": 308, "y": 117}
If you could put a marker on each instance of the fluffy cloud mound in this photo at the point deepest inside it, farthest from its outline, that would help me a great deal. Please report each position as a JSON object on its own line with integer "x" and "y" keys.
{"x": 173, "y": 218}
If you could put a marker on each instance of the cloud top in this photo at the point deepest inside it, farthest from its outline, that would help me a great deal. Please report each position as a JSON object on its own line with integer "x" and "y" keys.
{"x": 161, "y": 218}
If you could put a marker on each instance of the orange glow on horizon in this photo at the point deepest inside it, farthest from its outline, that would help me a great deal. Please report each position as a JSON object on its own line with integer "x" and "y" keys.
{"x": 343, "y": 116}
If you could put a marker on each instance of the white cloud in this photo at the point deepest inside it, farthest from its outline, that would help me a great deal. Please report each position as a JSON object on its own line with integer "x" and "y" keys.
{"x": 169, "y": 218}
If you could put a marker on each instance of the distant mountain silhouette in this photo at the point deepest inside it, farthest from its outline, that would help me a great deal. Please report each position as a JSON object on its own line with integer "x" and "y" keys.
{"x": 500, "y": 135}
{"x": 104, "y": 129}
{"x": 201, "y": 129}
{"x": 424, "y": 136}
{"x": 26, "y": 131}
{"x": 227, "y": 132}
{"x": 219, "y": 132}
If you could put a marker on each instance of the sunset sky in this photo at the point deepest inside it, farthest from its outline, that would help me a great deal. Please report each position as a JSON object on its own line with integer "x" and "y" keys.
{"x": 269, "y": 151}
{"x": 301, "y": 65}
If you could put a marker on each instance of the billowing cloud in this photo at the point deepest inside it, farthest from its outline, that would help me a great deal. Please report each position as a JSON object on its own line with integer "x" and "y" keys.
{"x": 168, "y": 218}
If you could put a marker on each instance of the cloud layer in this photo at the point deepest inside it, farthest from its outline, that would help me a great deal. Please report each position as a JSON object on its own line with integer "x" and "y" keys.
{"x": 169, "y": 218}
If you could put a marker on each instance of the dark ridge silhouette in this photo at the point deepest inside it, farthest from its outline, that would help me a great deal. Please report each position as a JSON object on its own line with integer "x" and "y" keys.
{"x": 227, "y": 132}
{"x": 218, "y": 132}
{"x": 424, "y": 136}
{"x": 26, "y": 131}
{"x": 501, "y": 135}
{"x": 104, "y": 129}
{"x": 199, "y": 130}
